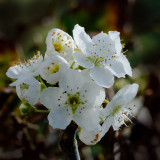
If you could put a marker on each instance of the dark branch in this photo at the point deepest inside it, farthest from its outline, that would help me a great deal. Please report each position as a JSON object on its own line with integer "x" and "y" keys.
{"x": 68, "y": 143}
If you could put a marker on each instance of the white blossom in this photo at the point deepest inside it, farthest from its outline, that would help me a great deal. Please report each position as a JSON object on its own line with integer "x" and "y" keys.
{"x": 80, "y": 68}
{"x": 115, "y": 114}
{"x": 76, "y": 98}
{"x": 24, "y": 70}
{"x": 102, "y": 54}
{"x": 120, "y": 107}
{"x": 59, "y": 43}
{"x": 50, "y": 69}
{"x": 28, "y": 89}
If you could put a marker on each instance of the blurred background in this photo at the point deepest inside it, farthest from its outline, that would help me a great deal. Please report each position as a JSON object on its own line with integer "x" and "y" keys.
{"x": 23, "y": 28}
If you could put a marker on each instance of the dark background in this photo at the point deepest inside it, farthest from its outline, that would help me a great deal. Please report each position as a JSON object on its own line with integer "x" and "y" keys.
{"x": 23, "y": 28}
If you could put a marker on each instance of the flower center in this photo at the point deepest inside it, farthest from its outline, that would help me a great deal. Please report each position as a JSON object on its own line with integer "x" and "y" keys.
{"x": 24, "y": 86}
{"x": 58, "y": 47}
{"x": 115, "y": 110}
{"x": 55, "y": 68}
{"x": 73, "y": 101}
{"x": 96, "y": 60}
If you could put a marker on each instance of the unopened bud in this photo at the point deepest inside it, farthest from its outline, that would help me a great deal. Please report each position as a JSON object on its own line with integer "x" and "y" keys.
{"x": 26, "y": 109}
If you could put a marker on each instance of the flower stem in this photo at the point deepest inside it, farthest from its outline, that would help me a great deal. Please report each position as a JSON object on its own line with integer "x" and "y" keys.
{"x": 68, "y": 143}
{"x": 41, "y": 111}
{"x": 105, "y": 101}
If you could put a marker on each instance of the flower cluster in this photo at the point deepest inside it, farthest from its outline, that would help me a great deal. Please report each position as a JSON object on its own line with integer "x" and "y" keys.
{"x": 71, "y": 79}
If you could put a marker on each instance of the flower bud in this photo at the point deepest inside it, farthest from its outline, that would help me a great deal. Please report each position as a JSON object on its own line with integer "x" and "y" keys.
{"x": 26, "y": 109}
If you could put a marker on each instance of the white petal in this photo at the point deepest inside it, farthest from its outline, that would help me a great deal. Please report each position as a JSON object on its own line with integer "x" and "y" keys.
{"x": 92, "y": 94}
{"x": 120, "y": 66}
{"x": 22, "y": 71}
{"x": 107, "y": 124}
{"x": 32, "y": 93}
{"x": 47, "y": 66}
{"x": 135, "y": 105}
{"x": 72, "y": 80}
{"x": 114, "y": 121}
{"x": 81, "y": 59}
{"x": 91, "y": 137}
{"x": 121, "y": 99}
{"x": 15, "y": 72}
{"x": 114, "y": 35}
{"x": 18, "y": 81}
{"x": 125, "y": 95}
{"x": 102, "y": 76}
{"x": 66, "y": 44}
{"x": 22, "y": 93}
{"x": 53, "y": 97}
{"x": 53, "y": 78}
{"x": 118, "y": 46}
{"x": 60, "y": 118}
{"x": 126, "y": 65}
{"x": 117, "y": 122}
{"x": 33, "y": 66}
{"x": 49, "y": 43}
{"x": 83, "y": 41}
{"x": 105, "y": 112}
{"x": 73, "y": 62}
{"x": 86, "y": 117}
{"x": 103, "y": 45}
{"x": 31, "y": 81}
{"x": 50, "y": 53}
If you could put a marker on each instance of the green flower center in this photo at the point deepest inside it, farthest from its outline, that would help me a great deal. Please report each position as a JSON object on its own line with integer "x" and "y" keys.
{"x": 58, "y": 47}
{"x": 24, "y": 86}
{"x": 96, "y": 60}
{"x": 55, "y": 68}
{"x": 115, "y": 110}
{"x": 74, "y": 101}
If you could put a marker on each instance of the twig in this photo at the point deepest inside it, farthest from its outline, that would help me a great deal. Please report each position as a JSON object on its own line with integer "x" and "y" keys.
{"x": 68, "y": 143}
